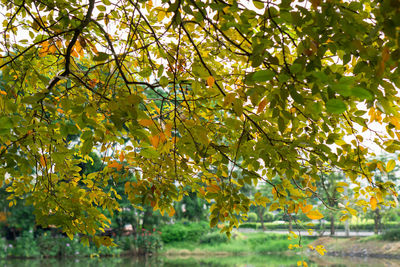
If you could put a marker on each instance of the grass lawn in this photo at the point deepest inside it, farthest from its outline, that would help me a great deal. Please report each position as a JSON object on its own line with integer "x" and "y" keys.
{"x": 261, "y": 243}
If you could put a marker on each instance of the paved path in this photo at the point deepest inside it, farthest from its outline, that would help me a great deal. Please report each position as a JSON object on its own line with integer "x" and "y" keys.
{"x": 306, "y": 233}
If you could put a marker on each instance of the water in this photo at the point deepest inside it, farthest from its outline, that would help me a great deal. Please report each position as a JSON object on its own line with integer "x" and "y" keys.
{"x": 212, "y": 261}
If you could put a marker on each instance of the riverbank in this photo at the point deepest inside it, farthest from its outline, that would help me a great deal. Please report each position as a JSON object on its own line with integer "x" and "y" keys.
{"x": 372, "y": 247}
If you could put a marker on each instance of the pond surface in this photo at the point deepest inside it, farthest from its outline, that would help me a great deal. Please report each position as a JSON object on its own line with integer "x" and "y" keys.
{"x": 214, "y": 261}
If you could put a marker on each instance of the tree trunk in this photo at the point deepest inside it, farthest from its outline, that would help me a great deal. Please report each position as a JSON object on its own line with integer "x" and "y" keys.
{"x": 261, "y": 216}
{"x": 347, "y": 227}
{"x": 377, "y": 220}
{"x": 290, "y": 223}
{"x": 332, "y": 224}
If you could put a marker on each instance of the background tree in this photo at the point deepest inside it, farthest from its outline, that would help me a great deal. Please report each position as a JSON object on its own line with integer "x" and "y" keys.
{"x": 332, "y": 184}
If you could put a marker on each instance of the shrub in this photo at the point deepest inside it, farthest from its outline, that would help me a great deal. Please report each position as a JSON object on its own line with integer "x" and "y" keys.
{"x": 213, "y": 238}
{"x": 142, "y": 242}
{"x": 49, "y": 246}
{"x": 391, "y": 235}
{"x": 252, "y": 217}
{"x": 268, "y": 217}
{"x": 24, "y": 246}
{"x": 249, "y": 225}
{"x": 183, "y": 232}
{"x": 173, "y": 233}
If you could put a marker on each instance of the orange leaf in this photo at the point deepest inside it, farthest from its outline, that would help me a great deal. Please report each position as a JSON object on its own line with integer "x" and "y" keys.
{"x": 43, "y": 161}
{"x": 213, "y": 188}
{"x": 3, "y": 93}
{"x": 306, "y": 208}
{"x": 121, "y": 156}
{"x": 261, "y": 105}
{"x": 115, "y": 165}
{"x": 373, "y": 203}
{"x": 168, "y": 128}
{"x": 171, "y": 212}
{"x": 145, "y": 122}
{"x": 59, "y": 43}
{"x": 52, "y": 49}
{"x": 155, "y": 140}
{"x": 79, "y": 49}
{"x": 74, "y": 53}
{"x": 315, "y": 3}
{"x": 229, "y": 99}
{"x": 45, "y": 49}
{"x": 210, "y": 81}
{"x": 385, "y": 54}
{"x": 314, "y": 215}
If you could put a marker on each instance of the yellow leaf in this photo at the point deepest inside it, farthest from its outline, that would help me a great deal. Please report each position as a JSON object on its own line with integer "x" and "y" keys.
{"x": 379, "y": 196}
{"x": 320, "y": 249}
{"x": 340, "y": 189}
{"x": 160, "y": 15}
{"x": 210, "y": 81}
{"x": 71, "y": 236}
{"x": 274, "y": 206}
{"x": 395, "y": 122}
{"x": 373, "y": 203}
{"x": 344, "y": 218}
{"x": 390, "y": 165}
{"x": 261, "y": 105}
{"x": 352, "y": 211}
{"x": 314, "y": 215}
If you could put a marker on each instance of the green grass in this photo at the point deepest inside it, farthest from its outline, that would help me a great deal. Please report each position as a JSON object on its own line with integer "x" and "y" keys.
{"x": 371, "y": 238}
{"x": 260, "y": 243}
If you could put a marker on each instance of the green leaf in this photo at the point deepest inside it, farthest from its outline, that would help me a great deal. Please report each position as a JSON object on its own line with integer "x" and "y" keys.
{"x": 263, "y": 75}
{"x": 149, "y": 152}
{"x": 361, "y": 93}
{"x": 101, "y": 8}
{"x": 238, "y": 106}
{"x": 164, "y": 81}
{"x": 296, "y": 68}
{"x": 335, "y": 106}
{"x": 258, "y": 4}
{"x": 101, "y": 57}
{"x": 6, "y": 123}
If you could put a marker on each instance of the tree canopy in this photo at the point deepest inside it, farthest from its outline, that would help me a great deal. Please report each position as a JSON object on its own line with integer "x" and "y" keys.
{"x": 195, "y": 96}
